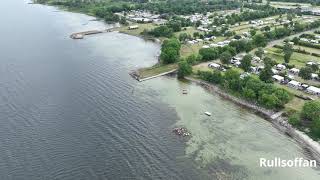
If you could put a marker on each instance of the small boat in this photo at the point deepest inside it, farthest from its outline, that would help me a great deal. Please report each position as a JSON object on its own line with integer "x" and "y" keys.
{"x": 207, "y": 113}
{"x": 184, "y": 91}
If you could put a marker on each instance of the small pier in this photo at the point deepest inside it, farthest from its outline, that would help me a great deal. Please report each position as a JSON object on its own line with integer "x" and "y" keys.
{"x": 136, "y": 75}
{"x": 80, "y": 35}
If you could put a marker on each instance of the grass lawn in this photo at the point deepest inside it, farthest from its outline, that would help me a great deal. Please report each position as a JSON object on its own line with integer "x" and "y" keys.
{"x": 189, "y": 30}
{"x": 187, "y": 50}
{"x": 136, "y": 32}
{"x": 156, "y": 69}
{"x": 308, "y": 49}
{"x": 297, "y": 59}
{"x": 201, "y": 67}
{"x": 295, "y": 104}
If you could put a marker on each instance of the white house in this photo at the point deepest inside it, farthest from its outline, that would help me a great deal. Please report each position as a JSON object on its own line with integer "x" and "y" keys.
{"x": 278, "y": 78}
{"x": 313, "y": 90}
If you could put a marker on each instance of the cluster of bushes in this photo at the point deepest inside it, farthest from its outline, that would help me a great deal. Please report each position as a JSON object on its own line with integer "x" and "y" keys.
{"x": 250, "y": 88}
{"x": 215, "y": 53}
{"x": 174, "y": 25}
{"x": 185, "y": 65}
{"x": 308, "y": 36}
{"x": 308, "y": 44}
{"x": 309, "y": 117}
{"x": 302, "y": 51}
{"x": 160, "y": 31}
{"x": 306, "y": 72}
{"x": 170, "y": 51}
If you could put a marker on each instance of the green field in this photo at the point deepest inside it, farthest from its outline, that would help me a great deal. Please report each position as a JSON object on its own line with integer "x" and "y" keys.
{"x": 135, "y": 32}
{"x": 156, "y": 69}
{"x": 297, "y": 59}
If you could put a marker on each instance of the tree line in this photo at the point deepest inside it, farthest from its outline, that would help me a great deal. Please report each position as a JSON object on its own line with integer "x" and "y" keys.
{"x": 250, "y": 88}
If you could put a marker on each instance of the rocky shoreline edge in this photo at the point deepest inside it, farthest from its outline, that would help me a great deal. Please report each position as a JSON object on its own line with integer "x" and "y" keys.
{"x": 278, "y": 121}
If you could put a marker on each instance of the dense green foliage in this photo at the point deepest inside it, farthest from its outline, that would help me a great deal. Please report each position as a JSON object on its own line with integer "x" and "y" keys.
{"x": 249, "y": 88}
{"x": 170, "y": 51}
{"x": 208, "y": 53}
{"x": 311, "y": 112}
{"x": 161, "y": 31}
{"x": 225, "y": 57}
{"x": 287, "y": 50}
{"x": 246, "y": 63}
{"x": 305, "y": 73}
{"x": 266, "y": 74}
{"x": 184, "y": 69}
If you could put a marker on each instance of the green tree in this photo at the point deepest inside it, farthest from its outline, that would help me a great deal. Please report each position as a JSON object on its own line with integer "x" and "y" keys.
{"x": 266, "y": 74}
{"x": 246, "y": 62}
{"x": 170, "y": 51}
{"x": 314, "y": 67}
{"x": 174, "y": 25}
{"x": 192, "y": 59}
{"x": 305, "y": 73}
{"x": 259, "y": 40}
{"x": 123, "y": 21}
{"x": 225, "y": 57}
{"x": 283, "y": 96}
{"x": 311, "y": 110}
{"x": 287, "y": 50}
{"x": 253, "y": 32}
{"x": 183, "y": 37}
{"x": 184, "y": 69}
{"x": 294, "y": 119}
{"x": 270, "y": 101}
{"x": 208, "y": 53}
{"x": 259, "y": 52}
{"x": 249, "y": 94}
{"x": 169, "y": 55}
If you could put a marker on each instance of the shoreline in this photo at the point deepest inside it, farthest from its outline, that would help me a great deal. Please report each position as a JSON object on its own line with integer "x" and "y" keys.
{"x": 279, "y": 122}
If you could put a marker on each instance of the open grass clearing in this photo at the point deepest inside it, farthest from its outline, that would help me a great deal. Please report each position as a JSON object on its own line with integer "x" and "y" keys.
{"x": 156, "y": 69}
{"x": 297, "y": 59}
